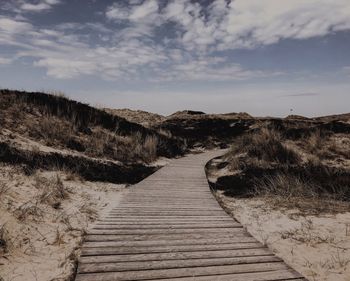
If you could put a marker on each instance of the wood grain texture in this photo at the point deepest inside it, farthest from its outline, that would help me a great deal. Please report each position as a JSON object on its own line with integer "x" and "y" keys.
{"x": 170, "y": 227}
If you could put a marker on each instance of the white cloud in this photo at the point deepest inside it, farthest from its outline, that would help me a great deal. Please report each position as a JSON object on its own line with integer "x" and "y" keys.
{"x": 66, "y": 55}
{"x": 250, "y": 23}
{"x": 5, "y": 61}
{"x": 11, "y": 29}
{"x": 40, "y": 6}
{"x": 13, "y": 26}
{"x": 135, "y": 50}
{"x": 35, "y": 7}
{"x": 63, "y": 68}
{"x": 145, "y": 11}
{"x": 210, "y": 69}
{"x": 117, "y": 12}
{"x": 240, "y": 23}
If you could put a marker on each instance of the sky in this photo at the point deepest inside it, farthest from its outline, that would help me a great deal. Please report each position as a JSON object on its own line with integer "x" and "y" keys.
{"x": 264, "y": 57}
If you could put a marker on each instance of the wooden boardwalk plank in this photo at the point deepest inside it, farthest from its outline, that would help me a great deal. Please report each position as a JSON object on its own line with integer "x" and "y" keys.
{"x": 182, "y": 272}
{"x": 139, "y": 248}
{"x": 167, "y": 264}
{"x": 178, "y": 255}
{"x": 170, "y": 227}
{"x": 213, "y": 242}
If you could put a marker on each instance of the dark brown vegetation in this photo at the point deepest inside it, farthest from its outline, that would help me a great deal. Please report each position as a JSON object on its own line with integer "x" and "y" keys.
{"x": 295, "y": 164}
{"x": 89, "y": 141}
{"x": 196, "y": 127}
{"x": 206, "y": 130}
{"x": 101, "y": 145}
{"x": 60, "y": 121}
{"x": 88, "y": 168}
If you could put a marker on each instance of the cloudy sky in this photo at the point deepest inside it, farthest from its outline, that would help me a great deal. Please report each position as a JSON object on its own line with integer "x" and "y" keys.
{"x": 265, "y": 57}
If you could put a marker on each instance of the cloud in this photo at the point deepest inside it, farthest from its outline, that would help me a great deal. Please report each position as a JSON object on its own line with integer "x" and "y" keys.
{"x": 21, "y": 6}
{"x": 35, "y": 7}
{"x": 227, "y": 25}
{"x": 5, "y": 61}
{"x": 131, "y": 43}
{"x": 252, "y": 23}
{"x": 13, "y": 26}
{"x": 62, "y": 68}
{"x": 67, "y": 55}
{"x": 11, "y": 30}
{"x": 209, "y": 69}
{"x": 145, "y": 12}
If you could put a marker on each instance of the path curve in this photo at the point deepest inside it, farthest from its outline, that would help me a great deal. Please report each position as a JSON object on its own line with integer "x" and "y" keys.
{"x": 170, "y": 227}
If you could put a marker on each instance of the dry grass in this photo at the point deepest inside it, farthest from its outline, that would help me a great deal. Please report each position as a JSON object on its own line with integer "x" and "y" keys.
{"x": 52, "y": 189}
{"x": 165, "y": 132}
{"x": 149, "y": 148}
{"x": 59, "y": 238}
{"x": 327, "y": 146}
{"x": 73, "y": 176}
{"x": 128, "y": 149}
{"x": 286, "y": 186}
{"x": 30, "y": 209}
{"x": 53, "y": 131}
{"x": 291, "y": 191}
{"x": 315, "y": 141}
{"x": 265, "y": 145}
{"x": 306, "y": 174}
{"x": 4, "y": 188}
{"x": 4, "y": 241}
{"x": 56, "y": 121}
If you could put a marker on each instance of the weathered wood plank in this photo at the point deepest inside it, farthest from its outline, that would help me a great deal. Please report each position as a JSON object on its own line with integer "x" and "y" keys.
{"x": 170, "y": 227}
{"x": 178, "y": 255}
{"x": 167, "y": 231}
{"x": 233, "y": 243}
{"x": 115, "y": 237}
{"x": 170, "y": 264}
{"x": 181, "y": 272}
{"x": 139, "y": 248}
{"x": 280, "y": 275}
{"x": 139, "y": 226}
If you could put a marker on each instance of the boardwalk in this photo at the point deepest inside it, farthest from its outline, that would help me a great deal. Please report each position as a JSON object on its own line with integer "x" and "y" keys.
{"x": 170, "y": 227}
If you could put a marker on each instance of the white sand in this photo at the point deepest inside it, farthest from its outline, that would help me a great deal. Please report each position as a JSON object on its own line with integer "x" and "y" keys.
{"x": 44, "y": 246}
{"x": 317, "y": 247}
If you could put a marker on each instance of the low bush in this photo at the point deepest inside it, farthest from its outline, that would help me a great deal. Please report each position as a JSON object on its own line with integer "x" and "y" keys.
{"x": 52, "y": 189}
{"x": 266, "y": 145}
{"x": 306, "y": 194}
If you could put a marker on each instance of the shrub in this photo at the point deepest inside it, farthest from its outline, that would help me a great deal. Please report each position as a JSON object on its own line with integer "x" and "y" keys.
{"x": 266, "y": 145}
{"x": 149, "y": 149}
{"x": 285, "y": 185}
{"x": 53, "y": 190}
{"x": 308, "y": 195}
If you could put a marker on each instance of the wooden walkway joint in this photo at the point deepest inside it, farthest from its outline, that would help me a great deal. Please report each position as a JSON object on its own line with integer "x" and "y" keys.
{"x": 170, "y": 227}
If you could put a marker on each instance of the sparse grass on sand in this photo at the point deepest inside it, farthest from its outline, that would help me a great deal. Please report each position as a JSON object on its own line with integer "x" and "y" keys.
{"x": 293, "y": 195}
{"x": 43, "y": 219}
{"x": 303, "y": 173}
{"x": 58, "y": 122}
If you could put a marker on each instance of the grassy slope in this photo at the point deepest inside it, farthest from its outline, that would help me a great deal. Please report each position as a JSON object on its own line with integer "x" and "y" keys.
{"x": 98, "y": 142}
{"x": 293, "y": 164}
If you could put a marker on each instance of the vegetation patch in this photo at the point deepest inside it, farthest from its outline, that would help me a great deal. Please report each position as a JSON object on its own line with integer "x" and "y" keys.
{"x": 310, "y": 172}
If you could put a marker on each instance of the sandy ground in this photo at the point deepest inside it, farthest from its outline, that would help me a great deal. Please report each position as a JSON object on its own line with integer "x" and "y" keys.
{"x": 316, "y": 246}
{"x": 40, "y": 232}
